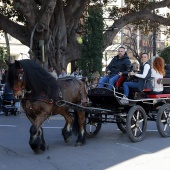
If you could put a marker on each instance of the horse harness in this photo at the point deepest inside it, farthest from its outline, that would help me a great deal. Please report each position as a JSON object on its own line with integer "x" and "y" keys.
{"x": 59, "y": 102}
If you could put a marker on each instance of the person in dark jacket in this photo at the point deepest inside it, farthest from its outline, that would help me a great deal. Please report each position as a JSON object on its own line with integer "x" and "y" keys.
{"x": 120, "y": 65}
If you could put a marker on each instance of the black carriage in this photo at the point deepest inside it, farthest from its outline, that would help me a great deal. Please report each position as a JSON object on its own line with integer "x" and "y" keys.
{"x": 105, "y": 107}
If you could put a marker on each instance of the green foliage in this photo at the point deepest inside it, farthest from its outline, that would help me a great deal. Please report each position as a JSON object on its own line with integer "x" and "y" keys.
{"x": 91, "y": 59}
{"x": 7, "y": 9}
{"x": 165, "y": 54}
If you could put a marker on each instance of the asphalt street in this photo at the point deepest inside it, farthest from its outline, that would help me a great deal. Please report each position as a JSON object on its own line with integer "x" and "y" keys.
{"x": 109, "y": 150}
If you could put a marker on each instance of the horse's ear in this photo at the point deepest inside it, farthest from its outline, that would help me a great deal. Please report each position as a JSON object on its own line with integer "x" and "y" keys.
{"x": 17, "y": 64}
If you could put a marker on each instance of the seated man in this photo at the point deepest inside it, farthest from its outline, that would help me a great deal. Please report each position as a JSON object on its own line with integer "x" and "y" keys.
{"x": 143, "y": 75}
{"x": 120, "y": 65}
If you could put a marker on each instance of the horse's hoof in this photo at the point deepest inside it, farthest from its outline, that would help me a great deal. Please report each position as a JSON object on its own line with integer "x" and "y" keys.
{"x": 78, "y": 144}
{"x": 67, "y": 135}
{"x": 68, "y": 139}
{"x": 38, "y": 151}
{"x": 80, "y": 141}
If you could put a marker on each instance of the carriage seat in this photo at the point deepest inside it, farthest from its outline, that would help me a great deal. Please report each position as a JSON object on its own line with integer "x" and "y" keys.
{"x": 147, "y": 90}
{"x": 119, "y": 83}
{"x": 164, "y": 81}
{"x": 159, "y": 95}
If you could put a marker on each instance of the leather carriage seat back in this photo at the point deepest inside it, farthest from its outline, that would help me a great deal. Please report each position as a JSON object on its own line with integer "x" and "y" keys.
{"x": 120, "y": 81}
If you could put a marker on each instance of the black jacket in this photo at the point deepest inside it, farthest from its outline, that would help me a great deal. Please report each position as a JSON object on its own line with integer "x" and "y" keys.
{"x": 119, "y": 65}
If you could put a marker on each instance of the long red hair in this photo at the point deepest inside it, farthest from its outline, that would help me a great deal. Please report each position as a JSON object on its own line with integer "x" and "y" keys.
{"x": 158, "y": 65}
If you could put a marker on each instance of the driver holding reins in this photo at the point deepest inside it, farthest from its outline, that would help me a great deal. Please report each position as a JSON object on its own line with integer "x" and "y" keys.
{"x": 120, "y": 65}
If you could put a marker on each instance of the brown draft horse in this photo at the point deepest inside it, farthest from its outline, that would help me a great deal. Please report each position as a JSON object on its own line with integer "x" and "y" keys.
{"x": 43, "y": 95}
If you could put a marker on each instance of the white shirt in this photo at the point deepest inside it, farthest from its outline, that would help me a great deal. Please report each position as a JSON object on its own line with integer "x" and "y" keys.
{"x": 77, "y": 75}
{"x": 63, "y": 75}
{"x": 54, "y": 74}
{"x": 145, "y": 71}
{"x": 156, "y": 75}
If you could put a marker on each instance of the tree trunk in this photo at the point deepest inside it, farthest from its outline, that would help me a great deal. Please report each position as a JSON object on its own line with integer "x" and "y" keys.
{"x": 55, "y": 22}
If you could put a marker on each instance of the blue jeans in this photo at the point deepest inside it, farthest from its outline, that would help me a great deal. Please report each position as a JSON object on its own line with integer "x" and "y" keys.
{"x": 108, "y": 79}
{"x": 127, "y": 85}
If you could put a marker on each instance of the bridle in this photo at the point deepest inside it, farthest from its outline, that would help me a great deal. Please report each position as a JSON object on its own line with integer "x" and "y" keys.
{"x": 20, "y": 78}
{"x": 20, "y": 74}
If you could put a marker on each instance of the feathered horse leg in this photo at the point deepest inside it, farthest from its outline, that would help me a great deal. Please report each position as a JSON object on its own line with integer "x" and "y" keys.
{"x": 66, "y": 131}
{"x": 37, "y": 112}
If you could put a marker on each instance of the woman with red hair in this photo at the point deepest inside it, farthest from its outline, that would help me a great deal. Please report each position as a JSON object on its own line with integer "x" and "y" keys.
{"x": 157, "y": 72}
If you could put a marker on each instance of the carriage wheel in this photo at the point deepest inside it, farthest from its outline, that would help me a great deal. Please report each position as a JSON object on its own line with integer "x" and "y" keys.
{"x": 163, "y": 120}
{"x": 136, "y": 123}
{"x": 93, "y": 124}
{"x": 7, "y": 113}
{"x": 122, "y": 125}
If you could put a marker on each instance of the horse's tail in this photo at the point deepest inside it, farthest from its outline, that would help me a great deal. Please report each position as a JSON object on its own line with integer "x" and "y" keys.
{"x": 75, "y": 125}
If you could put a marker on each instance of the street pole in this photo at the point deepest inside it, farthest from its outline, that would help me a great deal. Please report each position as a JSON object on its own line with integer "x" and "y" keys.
{"x": 121, "y": 37}
{"x": 106, "y": 58}
{"x": 138, "y": 40}
{"x": 154, "y": 42}
{"x": 154, "y": 37}
{"x": 122, "y": 29}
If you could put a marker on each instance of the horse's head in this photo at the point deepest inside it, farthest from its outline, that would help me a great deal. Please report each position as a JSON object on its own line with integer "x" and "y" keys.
{"x": 19, "y": 84}
{"x": 37, "y": 142}
{"x": 15, "y": 77}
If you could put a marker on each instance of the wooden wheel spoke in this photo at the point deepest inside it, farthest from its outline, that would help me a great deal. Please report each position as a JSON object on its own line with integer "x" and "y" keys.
{"x": 163, "y": 121}
{"x": 141, "y": 120}
{"x": 165, "y": 127}
{"x": 165, "y": 114}
{"x": 134, "y": 118}
{"x": 136, "y": 130}
{"x": 132, "y": 126}
{"x": 138, "y": 115}
{"x": 140, "y": 129}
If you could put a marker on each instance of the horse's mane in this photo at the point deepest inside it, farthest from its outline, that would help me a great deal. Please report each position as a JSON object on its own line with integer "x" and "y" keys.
{"x": 37, "y": 79}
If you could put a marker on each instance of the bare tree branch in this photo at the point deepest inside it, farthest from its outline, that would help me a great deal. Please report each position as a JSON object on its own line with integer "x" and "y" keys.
{"x": 145, "y": 14}
{"x": 18, "y": 31}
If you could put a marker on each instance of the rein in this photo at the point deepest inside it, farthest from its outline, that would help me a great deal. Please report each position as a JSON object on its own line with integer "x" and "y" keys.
{"x": 39, "y": 98}
{"x": 44, "y": 99}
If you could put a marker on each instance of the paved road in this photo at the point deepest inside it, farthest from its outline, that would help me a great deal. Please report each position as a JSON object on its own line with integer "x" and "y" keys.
{"x": 109, "y": 150}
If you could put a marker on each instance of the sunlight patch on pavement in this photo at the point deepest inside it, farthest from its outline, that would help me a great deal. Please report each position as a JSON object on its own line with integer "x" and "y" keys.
{"x": 157, "y": 160}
